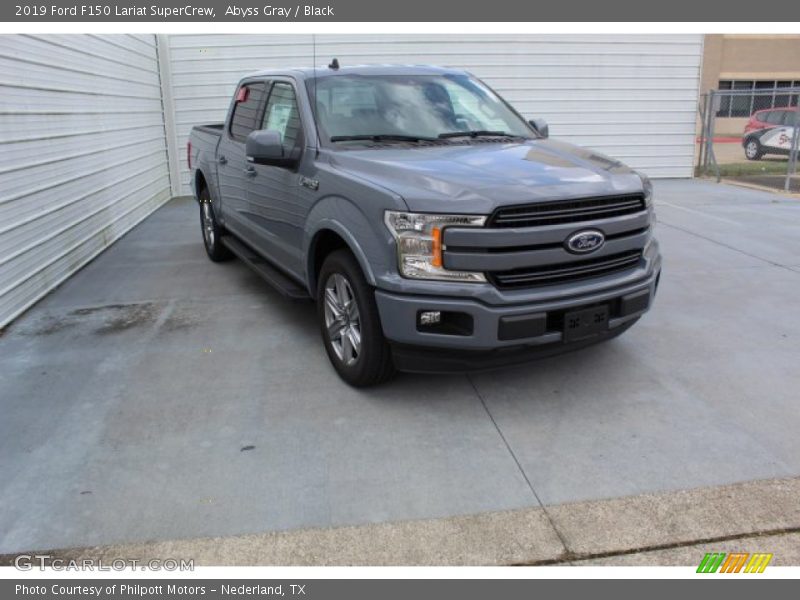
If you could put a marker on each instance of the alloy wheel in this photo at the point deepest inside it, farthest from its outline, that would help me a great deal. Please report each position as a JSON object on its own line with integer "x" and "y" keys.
{"x": 208, "y": 225}
{"x": 342, "y": 319}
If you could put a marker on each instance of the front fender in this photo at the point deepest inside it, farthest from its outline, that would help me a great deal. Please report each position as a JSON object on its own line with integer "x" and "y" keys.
{"x": 369, "y": 242}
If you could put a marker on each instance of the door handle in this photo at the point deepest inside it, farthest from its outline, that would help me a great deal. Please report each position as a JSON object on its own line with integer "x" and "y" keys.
{"x": 222, "y": 160}
{"x": 250, "y": 171}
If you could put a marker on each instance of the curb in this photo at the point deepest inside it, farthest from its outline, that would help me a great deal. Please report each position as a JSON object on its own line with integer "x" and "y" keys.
{"x": 645, "y": 525}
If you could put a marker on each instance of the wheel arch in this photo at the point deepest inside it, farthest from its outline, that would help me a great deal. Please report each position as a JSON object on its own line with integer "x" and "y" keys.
{"x": 328, "y": 237}
{"x": 200, "y": 183}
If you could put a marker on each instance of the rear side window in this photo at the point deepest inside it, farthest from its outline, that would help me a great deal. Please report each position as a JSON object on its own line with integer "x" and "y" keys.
{"x": 245, "y": 112}
{"x": 789, "y": 117}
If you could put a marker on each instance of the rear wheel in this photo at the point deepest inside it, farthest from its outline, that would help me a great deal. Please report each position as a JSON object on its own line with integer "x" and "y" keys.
{"x": 212, "y": 231}
{"x": 753, "y": 150}
{"x": 350, "y": 324}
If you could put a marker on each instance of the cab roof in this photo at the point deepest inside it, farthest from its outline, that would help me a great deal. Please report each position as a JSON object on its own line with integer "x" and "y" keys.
{"x": 325, "y": 71}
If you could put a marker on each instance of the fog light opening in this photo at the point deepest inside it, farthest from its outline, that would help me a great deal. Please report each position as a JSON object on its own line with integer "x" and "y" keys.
{"x": 444, "y": 322}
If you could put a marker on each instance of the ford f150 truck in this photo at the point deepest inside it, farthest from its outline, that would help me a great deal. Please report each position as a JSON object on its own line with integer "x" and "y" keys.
{"x": 435, "y": 228}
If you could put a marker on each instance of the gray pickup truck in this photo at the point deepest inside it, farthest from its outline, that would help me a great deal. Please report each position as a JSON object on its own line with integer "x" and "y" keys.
{"x": 435, "y": 228}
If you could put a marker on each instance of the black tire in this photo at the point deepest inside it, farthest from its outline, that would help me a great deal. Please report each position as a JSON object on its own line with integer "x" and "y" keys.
{"x": 372, "y": 363}
{"x": 753, "y": 149}
{"x": 212, "y": 231}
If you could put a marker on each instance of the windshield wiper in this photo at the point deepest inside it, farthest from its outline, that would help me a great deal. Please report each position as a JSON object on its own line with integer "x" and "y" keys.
{"x": 382, "y": 137}
{"x": 475, "y": 133}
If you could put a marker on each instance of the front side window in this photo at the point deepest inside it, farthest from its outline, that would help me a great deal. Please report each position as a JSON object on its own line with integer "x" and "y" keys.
{"x": 245, "y": 111}
{"x": 282, "y": 115}
{"x": 421, "y": 106}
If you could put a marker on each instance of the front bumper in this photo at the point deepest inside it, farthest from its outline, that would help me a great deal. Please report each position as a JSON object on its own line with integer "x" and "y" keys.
{"x": 507, "y": 333}
{"x": 423, "y": 359}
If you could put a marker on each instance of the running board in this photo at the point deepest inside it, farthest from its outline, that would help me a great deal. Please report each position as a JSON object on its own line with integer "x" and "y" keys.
{"x": 282, "y": 283}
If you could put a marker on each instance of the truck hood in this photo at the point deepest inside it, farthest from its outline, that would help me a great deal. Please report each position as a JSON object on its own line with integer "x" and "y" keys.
{"x": 477, "y": 178}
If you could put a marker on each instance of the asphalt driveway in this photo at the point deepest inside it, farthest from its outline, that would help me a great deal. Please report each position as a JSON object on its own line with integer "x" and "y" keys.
{"x": 157, "y": 395}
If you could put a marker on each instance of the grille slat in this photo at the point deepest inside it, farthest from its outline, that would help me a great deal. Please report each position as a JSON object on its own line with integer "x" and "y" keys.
{"x": 567, "y": 211}
{"x": 553, "y": 274}
{"x": 574, "y": 212}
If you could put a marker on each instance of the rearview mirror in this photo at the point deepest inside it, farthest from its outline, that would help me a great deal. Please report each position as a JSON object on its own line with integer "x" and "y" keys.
{"x": 265, "y": 147}
{"x": 540, "y": 126}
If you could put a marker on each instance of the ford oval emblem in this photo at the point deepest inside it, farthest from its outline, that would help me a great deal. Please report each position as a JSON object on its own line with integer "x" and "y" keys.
{"x": 583, "y": 242}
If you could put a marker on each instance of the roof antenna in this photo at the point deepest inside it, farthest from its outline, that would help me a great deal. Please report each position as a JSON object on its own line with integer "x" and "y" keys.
{"x": 334, "y": 64}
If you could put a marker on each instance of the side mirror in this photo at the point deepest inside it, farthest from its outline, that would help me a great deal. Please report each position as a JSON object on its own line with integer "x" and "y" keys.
{"x": 540, "y": 125}
{"x": 265, "y": 147}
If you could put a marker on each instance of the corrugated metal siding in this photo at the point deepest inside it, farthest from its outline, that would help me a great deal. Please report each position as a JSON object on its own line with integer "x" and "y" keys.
{"x": 82, "y": 154}
{"x": 632, "y": 97}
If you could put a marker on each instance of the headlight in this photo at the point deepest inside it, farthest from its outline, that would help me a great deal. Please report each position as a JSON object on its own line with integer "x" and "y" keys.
{"x": 419, "y": 244}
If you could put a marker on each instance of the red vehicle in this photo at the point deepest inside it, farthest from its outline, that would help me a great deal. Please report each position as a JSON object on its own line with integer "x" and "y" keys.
{"x": 770, "y": 117}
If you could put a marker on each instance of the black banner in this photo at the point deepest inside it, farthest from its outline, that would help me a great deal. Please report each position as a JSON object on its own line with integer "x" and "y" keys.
{"x": 407, "y": 11}
{"x": 387, "y": 589}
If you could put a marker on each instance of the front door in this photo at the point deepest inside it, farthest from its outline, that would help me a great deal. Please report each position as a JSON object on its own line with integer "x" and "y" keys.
{"x": 272, "y": 192}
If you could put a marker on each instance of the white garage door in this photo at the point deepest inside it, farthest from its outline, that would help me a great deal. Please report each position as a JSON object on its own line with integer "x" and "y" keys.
{"x": 82, "y": 154}
{"x": 632, "y": 97}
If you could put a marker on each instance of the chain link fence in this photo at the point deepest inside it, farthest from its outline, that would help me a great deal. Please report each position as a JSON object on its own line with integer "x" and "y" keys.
{"x": 751, "y": 136}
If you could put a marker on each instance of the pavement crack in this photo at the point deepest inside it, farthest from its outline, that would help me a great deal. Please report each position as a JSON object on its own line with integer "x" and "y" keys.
{"x": 570, "y": 556}
{"x": 724, "y": 245}
{"x": 519, "y": 466}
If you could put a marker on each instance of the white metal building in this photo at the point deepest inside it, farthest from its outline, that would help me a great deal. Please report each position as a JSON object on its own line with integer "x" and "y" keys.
{"x": 82, "y": 154}
{"x": 93, "y": 129}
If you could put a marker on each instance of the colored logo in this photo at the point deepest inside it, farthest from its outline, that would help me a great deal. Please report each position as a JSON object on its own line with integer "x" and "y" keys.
{"x": 583, "y": 242}
{"x": 735, "y": 562}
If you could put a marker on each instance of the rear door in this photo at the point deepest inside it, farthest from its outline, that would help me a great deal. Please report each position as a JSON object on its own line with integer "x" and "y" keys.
{"x": 272, "y": 191}
{"x": 232, "y": 165}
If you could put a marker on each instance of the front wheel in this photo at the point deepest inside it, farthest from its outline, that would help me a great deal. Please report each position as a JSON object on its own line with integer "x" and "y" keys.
{"x": 753, "y": 150}
{"x": 350, "y": 324}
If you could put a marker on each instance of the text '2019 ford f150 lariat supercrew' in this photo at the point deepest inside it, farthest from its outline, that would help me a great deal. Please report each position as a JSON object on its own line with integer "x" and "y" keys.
{"x": 435, "y": 228}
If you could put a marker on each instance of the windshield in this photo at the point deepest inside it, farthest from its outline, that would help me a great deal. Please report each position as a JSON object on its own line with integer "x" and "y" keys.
{"x": 408, "y": 107}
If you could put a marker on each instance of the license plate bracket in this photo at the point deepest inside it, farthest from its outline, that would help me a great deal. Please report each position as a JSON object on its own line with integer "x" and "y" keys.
{"x": 585, "y": 323}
